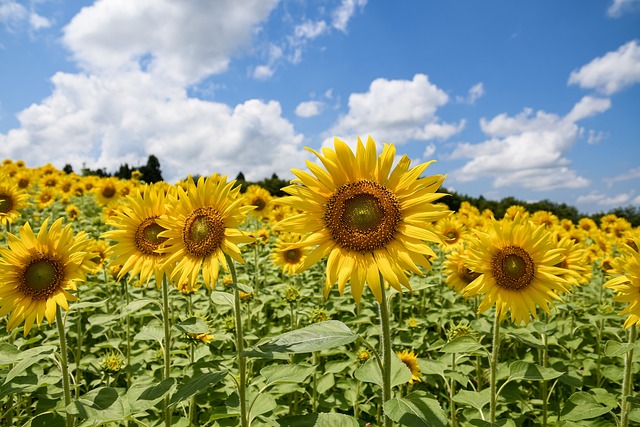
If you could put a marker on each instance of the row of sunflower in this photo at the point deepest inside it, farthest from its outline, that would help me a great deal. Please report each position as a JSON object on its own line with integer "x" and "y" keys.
{"x": 378, "y": 224}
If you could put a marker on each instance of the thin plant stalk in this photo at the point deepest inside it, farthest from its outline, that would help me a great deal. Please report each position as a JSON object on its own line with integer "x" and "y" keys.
{"x": 627, "y": 378}
{"x": 242, "y": 361}
{"x": 543, "y": 385}
{"x": 314, "y": 402}
{"x": 493, "y": 368}
{"x": 386, "y": 348}
{"x": 452, "y": 391}
{"x": 78, "y": 355}
{"x": 166, "y": 316}
{"x": 66, "y": 385}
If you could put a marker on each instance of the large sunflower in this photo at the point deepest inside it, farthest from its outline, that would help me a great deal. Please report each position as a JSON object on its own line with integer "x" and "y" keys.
{"x": 38, "y": 271}
{"x": 136, "y": 235}
{"x": 201, "y": 227}
{"x": 369, "y": 219}
{"x": 627, "y": 285}
{"x": 517, "y": 263}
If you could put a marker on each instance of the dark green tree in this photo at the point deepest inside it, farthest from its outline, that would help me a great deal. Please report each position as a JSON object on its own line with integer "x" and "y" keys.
{"x": 151, "y": 171}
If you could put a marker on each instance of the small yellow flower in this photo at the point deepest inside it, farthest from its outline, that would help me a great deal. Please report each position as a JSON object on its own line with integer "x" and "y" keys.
{"x": 410, "y": 359}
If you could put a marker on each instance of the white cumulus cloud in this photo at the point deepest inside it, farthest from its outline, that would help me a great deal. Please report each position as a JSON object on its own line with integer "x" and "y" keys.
{"x": 396, "y": 111}
{"x": 178, "y": 41}
{"x": 102, "y": 122}
{"x": 345, "y": 11}
{"x": 309, "y": 108}
{"x": 612, "y": 72}
{"x": 528, "y": 149}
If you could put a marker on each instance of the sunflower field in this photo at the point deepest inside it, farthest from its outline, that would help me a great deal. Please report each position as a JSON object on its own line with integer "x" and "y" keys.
{"x": 359, "y": 299}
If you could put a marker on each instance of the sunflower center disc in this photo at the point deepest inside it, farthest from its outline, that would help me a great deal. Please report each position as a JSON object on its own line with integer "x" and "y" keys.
{"x": 451, "y": 236}
{"x": 513, "y": 268}
{"x": 259, "y": 203}
{"x": 362, "y": 216}
{"x": 146, "y": 238}
{"x": 109, "y": 191}
{"x": 292, "y": 255}
{"x": 5, "y": 203}
{"x": 203, "y": 231}
{"x": 41, "y": 278}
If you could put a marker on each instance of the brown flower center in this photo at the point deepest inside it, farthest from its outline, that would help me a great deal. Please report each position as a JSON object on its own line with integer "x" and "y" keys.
{"x": 108, "y": 191}
{"x": 41, "y": 278}
{"x": 293, "y": 256}
{"x": 362, "y": 216}
{"x": 203, "y": 231}
{"x": 513, "y": 268}
{"x": 146, "y": 237}
{"x": 6, "y": 203}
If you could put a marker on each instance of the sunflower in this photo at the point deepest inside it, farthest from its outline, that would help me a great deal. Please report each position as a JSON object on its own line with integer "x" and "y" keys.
{"x": 46, "y": 197}
{"x": 457, "y": 272}
{"x": 627, "y": 285}
{"x": 12, "y": 200}
{"x": 38, "y": 271}
{"x": 136, "y": 224}
{"x": 453, "y": 230}
{"x": 260, "y": 199}
{"x": 517, "y": 263}
{"x": 201, "y": 227}
{"x": 370, "y": 220}
{"x": 284, "y": 256}
{"x": 107, "y": 191}
{"x": 574, "y": 260}
{"x": 410, "y": 359}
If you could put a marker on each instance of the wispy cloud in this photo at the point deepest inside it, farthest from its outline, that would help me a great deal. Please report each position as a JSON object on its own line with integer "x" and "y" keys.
{"x": 626, "y": 176}
{"x": 619, "y": 7}
{"x": 612, "y": 72}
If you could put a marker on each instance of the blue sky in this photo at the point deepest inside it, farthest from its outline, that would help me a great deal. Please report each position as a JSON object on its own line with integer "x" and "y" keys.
{"x": 530, "y": 99}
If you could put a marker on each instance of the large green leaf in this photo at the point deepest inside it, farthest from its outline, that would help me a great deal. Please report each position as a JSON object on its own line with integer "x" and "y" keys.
{"x": 417, "y": 409}
{"x": 193, "y": 325}
{"x": 316, "y": 337}
{"x": 583, "y": 406}
{"x": 222, "y": 298}
{"x": 27, "y": 358}
{"x": 520, "y": 370}
{"x": 102, "y": 405}
{"x": 9, "y": 353}
{"x": 134, "y": 306}
{"x": 464, "y": 344}
{"x": 277, "y": 374}
{"x": 476, "y": 399}
{"x": 200, "y": 383}
{"x": 370, "y": 372}
{"x": 319, "y": 420}
{"x": 150, "y": 333}
{"x": 144, "y": 396}
{"x": 261, "y": 404}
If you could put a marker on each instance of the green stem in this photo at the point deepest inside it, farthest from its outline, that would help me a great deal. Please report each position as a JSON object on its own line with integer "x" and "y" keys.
{"x": 627, "y": 378}
{"x": 78, "y": 354}
{"x": 452, "y": 391}
{"x": 493, "y": 368}
{"x": 316, "y": 362}
{"x": 386, "y": 348}
{"x": 192, "y": 399}
{"x": 64, "y": 364}
{"x": 543, "y": 385}
{"x": 242, "y": 361}
{"x": 166, "y": 316}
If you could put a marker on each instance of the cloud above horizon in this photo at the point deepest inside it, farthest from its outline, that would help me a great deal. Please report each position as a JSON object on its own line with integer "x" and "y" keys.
{"x": 528, "y": 149}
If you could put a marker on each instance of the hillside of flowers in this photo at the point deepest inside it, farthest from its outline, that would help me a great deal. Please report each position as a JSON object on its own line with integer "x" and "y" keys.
{"x": 357, "y": 299}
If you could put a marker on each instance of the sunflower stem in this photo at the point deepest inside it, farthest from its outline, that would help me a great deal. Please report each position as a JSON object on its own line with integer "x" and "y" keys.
{"x": 452, "y": 391}
{"x": 64, "y": 364}
{"x": 166, "y": 315}
{"x": 386, "y": 349}
{"x": 78, "y": 354}
{"x": 242, "y": 361}
{"x": 627, "y": 379}
{"x": 493, "y": 368}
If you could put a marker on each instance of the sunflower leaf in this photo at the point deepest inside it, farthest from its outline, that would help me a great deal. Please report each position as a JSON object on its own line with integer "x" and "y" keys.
{"x": 324, "y": 419}
{"x": 134, "y": 306}
{"x": 102, "y": 404}
{"x": 464, "y": 344}
{"x": 476, "y": 399}
{"x": 28, "y": 358}
{"x": 193, "y": 325}
{"x": 144, "y": 396}
{"x": 520, "y": 370}
{"x": 197, "y": 385}
{"x": 278, "y": 374}
{"x": 583, "y": 406}
{"x": 315, "y": 337}
{"x": 222, "y": 298}
{"x": 416, "y": 409}
{"x": 369, "y": 372}
{"x": 261, "y": 404}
